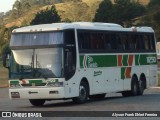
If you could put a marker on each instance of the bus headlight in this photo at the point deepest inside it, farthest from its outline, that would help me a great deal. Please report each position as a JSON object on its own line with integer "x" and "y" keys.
{"x": 15, "y": 85}
{"x": 55, "y": 84}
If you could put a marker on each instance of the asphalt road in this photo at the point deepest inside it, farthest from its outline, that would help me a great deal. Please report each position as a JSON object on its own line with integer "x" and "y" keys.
{"x": 150, "y": 101}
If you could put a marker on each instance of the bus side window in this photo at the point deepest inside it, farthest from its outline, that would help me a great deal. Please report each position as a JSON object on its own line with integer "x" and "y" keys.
{"x": 120, "y": 42}
{"x": 146, "y": 42}
{"x": 113, "y": 41}
{"x": 138, "y": 46}
{"x": 142, "y": 42}
{"x": 84, "y": 40}
{"x": 117, "y": 43}
{"x": 125, "y": 41}
{"x": 101, "y": 41}
{"x": 131, "y": 42}
{"x": 80, "y": 40}
{"x": 152, "y": 42}
{"x": 94, "y": 40}
{"x": 87, "y": 44}
{"x": 108, "y": 41}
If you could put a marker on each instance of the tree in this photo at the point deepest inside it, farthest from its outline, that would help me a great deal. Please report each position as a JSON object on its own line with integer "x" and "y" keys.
{"x": 156, "y": 19}
{"x": 5, "y": 34}
{"x": 90, "y": 14}
{"x": 1, "y": 14}
{"x": 125, "y": 10}
{"x": 17, "y": 6}
{"x": 153, "y": 3}
{"x": 47, "y": 16}
{"x": 103, "y": 13}
{"x": 73, "y": 11}
{"x": 72, "y": 0}
{"x": 76, "y": 11}
{"x": 121, "y": 12}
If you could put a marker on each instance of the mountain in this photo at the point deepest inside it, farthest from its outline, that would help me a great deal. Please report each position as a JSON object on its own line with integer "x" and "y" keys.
{"x": 24, "y": 12}
{"x": 84, "y": 10}
{"x": 143, "y": 2}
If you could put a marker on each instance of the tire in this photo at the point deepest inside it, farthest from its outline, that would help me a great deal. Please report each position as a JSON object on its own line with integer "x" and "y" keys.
{"x": 37, "y": 102}
{"x": 98, "y": 96}
{"x": 83, "y": 93}
{"x": 134, "y": 86}
{"x": 141, "y": 87}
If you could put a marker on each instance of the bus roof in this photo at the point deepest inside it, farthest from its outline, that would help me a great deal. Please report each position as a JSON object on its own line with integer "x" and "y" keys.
{"x": 81, "y": 25}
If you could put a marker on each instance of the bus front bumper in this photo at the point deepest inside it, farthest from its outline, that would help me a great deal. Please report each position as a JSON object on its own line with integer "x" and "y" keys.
{"x": 37, "y": 93}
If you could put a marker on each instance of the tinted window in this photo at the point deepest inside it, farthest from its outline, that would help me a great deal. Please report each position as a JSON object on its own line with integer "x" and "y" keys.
{"x": 113, "y": 41}
{"x": 84, "y": 40}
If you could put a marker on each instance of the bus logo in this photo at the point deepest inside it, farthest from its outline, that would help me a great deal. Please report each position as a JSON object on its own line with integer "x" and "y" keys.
{"x": 88, "y": 62}
{"x": 97, "y": 73}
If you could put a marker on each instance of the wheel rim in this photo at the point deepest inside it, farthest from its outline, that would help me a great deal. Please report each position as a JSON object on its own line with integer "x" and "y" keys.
{"x": 141, "y": 85}
{"x": 82, "y": 92}
{"x": 135, "y": 89}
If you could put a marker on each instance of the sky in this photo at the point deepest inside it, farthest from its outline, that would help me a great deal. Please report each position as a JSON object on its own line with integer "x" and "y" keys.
{"x": 6, "y": 5}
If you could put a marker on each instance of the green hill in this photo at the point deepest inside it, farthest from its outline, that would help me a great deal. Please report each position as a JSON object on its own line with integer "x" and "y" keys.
{"x": 24, "y": 12}
{"x": 69, "y": 11}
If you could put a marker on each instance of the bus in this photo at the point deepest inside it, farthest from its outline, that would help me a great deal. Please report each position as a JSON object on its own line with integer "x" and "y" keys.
{"x": 80, "y": 61}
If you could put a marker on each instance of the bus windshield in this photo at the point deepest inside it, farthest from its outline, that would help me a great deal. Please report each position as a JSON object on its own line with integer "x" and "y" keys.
{"x": 36, "y": 55}
{"x": 36, "y": 63}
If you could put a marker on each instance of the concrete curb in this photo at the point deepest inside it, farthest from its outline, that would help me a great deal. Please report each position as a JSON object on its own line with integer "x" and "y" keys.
{"x": 158, "y": 87}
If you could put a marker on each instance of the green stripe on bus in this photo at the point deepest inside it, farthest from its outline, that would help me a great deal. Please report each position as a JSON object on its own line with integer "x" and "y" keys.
{"x": 150, "y": 59}
{"x": 125, "y": 60}
{"x": 95, "y": 61}
{"x": 123, "y": 69}
{"x": 137, "y": 59}
{"x": 30, "y": 81}
{"x": 35, "y": 81}
{"x": 14, "y": 82}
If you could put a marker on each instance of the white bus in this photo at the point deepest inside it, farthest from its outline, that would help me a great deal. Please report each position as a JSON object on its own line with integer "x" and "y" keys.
{"x": 80, "y": 60}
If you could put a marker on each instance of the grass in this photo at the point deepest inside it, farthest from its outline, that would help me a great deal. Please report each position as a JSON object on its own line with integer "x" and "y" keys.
{"x": 3, "y": 77}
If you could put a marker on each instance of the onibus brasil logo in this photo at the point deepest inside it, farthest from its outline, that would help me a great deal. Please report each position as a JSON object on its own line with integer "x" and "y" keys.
{"x": 88, "y": 62}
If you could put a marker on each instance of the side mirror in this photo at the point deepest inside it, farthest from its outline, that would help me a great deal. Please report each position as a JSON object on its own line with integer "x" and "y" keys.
{"x": 6, "y": 59}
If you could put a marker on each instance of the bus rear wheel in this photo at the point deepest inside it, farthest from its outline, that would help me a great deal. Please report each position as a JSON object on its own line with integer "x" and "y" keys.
{"x": 83, "y": 93}
{"x": 141, "y": 87}
{"x": 134, "y": 86}
{"x": 37, "y": 102}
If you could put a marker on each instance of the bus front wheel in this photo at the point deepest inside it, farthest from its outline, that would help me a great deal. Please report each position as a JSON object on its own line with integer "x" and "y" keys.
{"x": 83, "y": 93}
{"x": 37, "y": 102}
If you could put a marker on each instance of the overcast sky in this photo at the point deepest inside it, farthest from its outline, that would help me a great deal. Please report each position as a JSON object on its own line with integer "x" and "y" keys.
{"x": 6, "y": 5}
